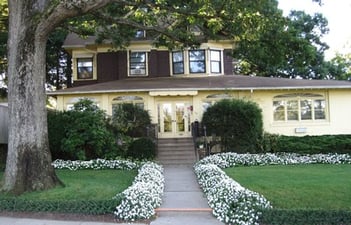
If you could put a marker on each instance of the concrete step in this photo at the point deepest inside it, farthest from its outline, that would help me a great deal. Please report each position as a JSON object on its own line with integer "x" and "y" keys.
{"x": 173, "y": 151}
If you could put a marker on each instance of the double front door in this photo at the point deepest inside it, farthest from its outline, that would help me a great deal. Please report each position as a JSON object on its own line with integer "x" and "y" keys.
{"x": 174, "y": 119}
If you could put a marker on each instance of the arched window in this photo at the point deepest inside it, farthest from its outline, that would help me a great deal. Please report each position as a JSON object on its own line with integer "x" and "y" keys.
{"x": 131, "y": 99}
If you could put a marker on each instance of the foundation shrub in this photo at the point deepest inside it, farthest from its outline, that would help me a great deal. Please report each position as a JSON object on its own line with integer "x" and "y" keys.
{"x": 307, "y": 144}
{"x": 237, "y": 122}
{"x": 131, "y": 120}
{"x": 142, "y": 148}
{"x": 82, "y": 133}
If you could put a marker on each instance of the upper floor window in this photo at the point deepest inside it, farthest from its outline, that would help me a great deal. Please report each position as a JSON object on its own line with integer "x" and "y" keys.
{"x": 140, "y": 34}
{"x": 137, "y": 63}
{"x": 215, "y": 61}
{"x": 85, "y": 68}
{"x": 299, "y": 107}
{"x": 197, "y": 63}
{"x": 178, "y": 62}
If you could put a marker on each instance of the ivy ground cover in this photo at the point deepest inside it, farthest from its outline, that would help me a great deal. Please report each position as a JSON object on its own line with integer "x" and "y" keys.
{"x": 312, "y": 186}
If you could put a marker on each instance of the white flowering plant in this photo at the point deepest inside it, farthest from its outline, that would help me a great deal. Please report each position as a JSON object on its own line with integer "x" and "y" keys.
{"x": 231, "y": 159}
{"x": 96, "y": 164}
{"x": 144, "y": 195}
{"x": 234, "y": 204}
{"x": 231, "y": 203}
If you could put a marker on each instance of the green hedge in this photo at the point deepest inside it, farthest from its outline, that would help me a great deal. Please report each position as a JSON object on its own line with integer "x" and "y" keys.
{"x": 82, "y": 207}
{"x": 304, "y": 217}
{"x": 307, "y": 144}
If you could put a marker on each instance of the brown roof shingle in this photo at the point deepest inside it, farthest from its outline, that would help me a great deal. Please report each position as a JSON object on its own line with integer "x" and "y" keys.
{"x": 228, "y": 82}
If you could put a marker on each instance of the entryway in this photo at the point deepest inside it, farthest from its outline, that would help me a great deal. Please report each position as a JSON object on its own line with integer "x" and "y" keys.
{"x": 174, "y": 119}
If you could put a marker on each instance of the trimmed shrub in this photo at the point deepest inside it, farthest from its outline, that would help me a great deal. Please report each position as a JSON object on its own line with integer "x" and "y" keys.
{"x": 83, "y": 207}
{"x": 237, "y": 122}
{"x": 142, "y": 148}
{"x": 131, "y": 120}
{"x": 305, "y": 216}
{"x": 307, "y": 144}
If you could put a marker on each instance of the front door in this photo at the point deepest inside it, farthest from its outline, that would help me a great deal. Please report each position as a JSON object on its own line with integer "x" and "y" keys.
{"x": 174, "y": 119}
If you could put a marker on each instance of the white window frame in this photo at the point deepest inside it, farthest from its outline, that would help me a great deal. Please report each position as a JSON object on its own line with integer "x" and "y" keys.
{"x": 208, "y": 62}
{"x": 133, "y": 72}
{"x": 76, "y": 58}
{"x": 299, "y": 98}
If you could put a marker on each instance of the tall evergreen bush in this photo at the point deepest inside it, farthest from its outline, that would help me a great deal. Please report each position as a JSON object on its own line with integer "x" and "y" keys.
{"x": 82, "y": 133}
{"x": 237, "y": 122}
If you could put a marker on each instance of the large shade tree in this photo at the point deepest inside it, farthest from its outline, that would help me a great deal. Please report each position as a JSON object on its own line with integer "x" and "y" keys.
{"x": 289, "y": 47}
{"x": 28, "y": 166}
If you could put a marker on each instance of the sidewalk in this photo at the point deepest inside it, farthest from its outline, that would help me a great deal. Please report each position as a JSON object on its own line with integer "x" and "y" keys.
{"x": 183, "y": 204}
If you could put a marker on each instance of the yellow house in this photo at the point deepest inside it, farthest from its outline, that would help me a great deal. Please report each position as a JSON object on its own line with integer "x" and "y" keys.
{"x": 176, "y": 87}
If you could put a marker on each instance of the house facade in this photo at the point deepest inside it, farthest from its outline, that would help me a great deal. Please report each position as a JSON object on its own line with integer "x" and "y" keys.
{"x": 177, "y": 87}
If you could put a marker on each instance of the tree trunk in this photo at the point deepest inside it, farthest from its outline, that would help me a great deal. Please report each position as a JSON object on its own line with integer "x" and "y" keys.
{"x": 28, "y": 165}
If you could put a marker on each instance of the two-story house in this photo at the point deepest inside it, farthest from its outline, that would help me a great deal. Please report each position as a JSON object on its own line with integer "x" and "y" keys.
{"x": 176, "y": 87}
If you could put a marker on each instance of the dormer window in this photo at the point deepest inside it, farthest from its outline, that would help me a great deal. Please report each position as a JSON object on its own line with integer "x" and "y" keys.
{"x": 140, "y": 34}
{"x": 85, "y": 68}
{"x": 197, "y": 62}
{"x": 137, "y": 64}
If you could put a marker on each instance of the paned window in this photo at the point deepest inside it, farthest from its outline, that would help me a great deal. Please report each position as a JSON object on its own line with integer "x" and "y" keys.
{"x": 127, "y": 99}
{"x": 137, "y": 63}
{"x": 299, "y": 107}
{"x": 215, "y": 61}
{"x": 197, "y": 62}
{"x": 178, "y": 62}
{"x": 85, "y": 68}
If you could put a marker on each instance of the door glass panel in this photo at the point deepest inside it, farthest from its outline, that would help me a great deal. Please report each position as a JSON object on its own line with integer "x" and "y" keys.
{"x": 180, "y": 117}
{"x": 167, "y": 117}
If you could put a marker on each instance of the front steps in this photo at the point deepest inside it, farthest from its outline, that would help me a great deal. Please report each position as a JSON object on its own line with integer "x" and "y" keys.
{"x": 176, "y": 151}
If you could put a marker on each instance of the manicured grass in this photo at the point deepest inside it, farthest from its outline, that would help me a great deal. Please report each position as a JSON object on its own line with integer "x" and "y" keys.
{"x": 85, "y": 185}
{"x": 314, "y": 186}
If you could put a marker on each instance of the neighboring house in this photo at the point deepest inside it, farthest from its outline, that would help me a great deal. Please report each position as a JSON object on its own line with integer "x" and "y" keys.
{"x": 4, "y": 123}
{"x": 176, "y": 87}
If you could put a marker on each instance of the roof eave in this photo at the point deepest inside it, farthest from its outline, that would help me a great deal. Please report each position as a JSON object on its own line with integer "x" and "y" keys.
{"x": 199, "y": 89}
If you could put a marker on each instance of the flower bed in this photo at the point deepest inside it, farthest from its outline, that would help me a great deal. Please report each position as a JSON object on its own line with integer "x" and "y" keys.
{"x": 232, "y": 203}
{"x": 145, "y": 194}
{"x": 96, "y": 164}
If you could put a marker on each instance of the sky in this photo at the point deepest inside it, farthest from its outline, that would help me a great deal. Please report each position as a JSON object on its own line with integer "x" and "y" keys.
{"x": 338, "y": 14}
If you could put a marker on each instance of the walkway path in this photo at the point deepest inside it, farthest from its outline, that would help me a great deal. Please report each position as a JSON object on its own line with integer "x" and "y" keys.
{"x": 183, "y": 201}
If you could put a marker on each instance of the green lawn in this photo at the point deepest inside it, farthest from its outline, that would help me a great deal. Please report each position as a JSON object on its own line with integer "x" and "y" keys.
{"x": 299, "y": 186}
{"x": 85, "y": 185}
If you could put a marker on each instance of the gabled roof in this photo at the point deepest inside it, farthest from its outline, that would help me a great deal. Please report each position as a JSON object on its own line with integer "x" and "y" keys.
{"x": 227, "y": 82}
